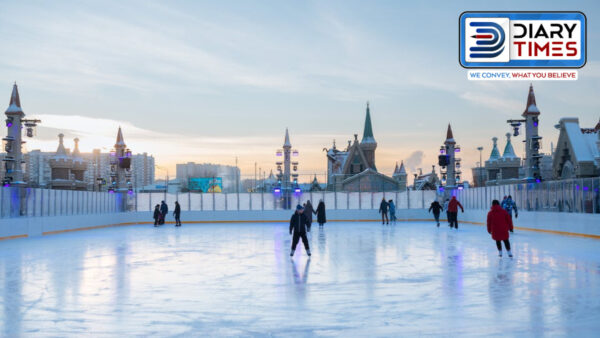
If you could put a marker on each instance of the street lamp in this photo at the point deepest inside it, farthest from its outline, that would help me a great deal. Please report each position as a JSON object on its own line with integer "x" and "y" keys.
{"x": 480, "y": 173}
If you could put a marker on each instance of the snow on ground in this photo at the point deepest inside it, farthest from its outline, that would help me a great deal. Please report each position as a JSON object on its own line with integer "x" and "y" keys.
{"x": 364, "y": 279}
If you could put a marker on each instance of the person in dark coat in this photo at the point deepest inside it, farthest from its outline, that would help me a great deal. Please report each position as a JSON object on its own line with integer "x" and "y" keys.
{"x": 308, "y": 211}
{"x": 436, "y": 207}
{"x": 321, "y": 219}
{"x": 383, "y": 210}
{"x": 177, "y": 214}
{"x": 156, "y": 215}
{"x": 298, "y": 223}
{"x": 499, "y": 223}
{"x": 453, "y": 206}
{"x": 164, "y": 210}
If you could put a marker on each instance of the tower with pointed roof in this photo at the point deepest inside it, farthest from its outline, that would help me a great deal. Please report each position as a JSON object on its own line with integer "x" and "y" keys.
{"x": 451, "y": 165}
{"x": 502, "y": 169}
{"x": 67, "y": 169}
{"x": 60, "y": 166}
{"x": 287, "y": 176}
{"x": 354, "y": 168}
{"x": 400, "y": 176}
{"x": 13, "y": 140}
{"x": 532, "y": 138}
{"x": 368, "y": 143}
{"x": 120, "y": 166}
{"x": 79, "y": 167}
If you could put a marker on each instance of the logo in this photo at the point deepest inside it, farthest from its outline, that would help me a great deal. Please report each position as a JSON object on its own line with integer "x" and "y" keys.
{"x": 522, "y": 39}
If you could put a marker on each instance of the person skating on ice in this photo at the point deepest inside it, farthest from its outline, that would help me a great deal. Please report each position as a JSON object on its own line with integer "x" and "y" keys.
{"x": 156, "y": 215}
{"x": 177, "y": 214}
{"x": 499, "y": 224}
{"x": 321, "y": 219}
{"x": 453, "y": 206}
{"x": 436, "y": 207}
{"x": 509, "y": 205}
{"x": 298, "y": 227}
{"x": 164, "y": 210}
{"x": 383, "y": 210}
{"x": 308, "y": 211}
{"x": 392, "y": 211}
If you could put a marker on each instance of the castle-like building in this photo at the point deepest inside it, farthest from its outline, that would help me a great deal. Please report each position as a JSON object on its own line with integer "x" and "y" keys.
{"x": 354, "y": 168}
{"x": 502, "y": 167}
{"x": 67, "y": 170}
{"x": 509, "y": 168}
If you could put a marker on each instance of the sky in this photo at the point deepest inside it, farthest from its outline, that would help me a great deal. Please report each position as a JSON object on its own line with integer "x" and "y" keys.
{"x": 209, "y": 81}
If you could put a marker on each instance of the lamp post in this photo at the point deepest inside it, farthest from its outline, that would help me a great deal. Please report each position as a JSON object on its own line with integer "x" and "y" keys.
{"x": 480, "y": 183}
{"x": 166, "y": 178}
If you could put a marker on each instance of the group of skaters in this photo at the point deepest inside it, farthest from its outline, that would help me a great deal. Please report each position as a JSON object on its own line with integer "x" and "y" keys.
{"x": 301, "y": 222}
{"x": 451, "y": 206}
{"x": 384, "y": 208}
{"x": 499, "y": 218}
{"x": 160, "y": 213}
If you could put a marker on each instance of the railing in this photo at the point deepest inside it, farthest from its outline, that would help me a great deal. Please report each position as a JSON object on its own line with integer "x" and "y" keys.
{"x": 575, "y": 195}
{"x": 30, "y": 202}
{"x": 191, "y": 201}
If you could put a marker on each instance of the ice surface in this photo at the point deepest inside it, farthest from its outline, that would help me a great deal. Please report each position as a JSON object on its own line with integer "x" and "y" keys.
{"x": 364, "y": 279}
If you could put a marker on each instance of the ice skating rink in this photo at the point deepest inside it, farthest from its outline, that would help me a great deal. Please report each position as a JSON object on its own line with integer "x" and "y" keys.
{"x": 364, "y": 279}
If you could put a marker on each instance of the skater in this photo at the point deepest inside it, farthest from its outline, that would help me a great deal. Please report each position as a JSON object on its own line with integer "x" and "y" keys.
{"x": 447, "y": 213}
{"x": 453, "y": 211}
{"x": 509, "y": 205}
{"x": 298, "y": 223}
{"x": 436, "y": 207}
{"x": 383, "y": 210}
{"x": 321, "y": 219}
{"x": 177, "y": 214}
{"x": 499, "y": 224}
{"x": 156, "y": 215}
{"x": 308, "y": 211}
{"x": 164, "y": 210}
{"x": 392, "y": 211}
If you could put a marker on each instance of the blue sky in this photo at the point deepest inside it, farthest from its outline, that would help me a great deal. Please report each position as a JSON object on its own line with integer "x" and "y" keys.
{"x": 209, "y": 81}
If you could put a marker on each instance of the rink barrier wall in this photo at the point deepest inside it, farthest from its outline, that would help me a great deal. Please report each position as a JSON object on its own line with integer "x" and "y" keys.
{"x": 571, "y": 224}
{"x": 560, "y": 223}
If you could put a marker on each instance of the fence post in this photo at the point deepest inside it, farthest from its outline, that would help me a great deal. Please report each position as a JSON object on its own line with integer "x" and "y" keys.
{"x": 213, "y": 194}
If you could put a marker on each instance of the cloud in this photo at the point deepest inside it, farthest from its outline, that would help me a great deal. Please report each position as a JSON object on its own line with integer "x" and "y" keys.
{"x": 414, "y": 160}
{"x": 493, "y": 102}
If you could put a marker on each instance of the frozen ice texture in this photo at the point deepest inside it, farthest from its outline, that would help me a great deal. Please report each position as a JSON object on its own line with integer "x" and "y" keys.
{"x": 363, "y": 279}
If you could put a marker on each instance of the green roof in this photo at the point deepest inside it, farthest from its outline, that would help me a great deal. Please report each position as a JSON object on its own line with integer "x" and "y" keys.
{"x": 368, "y": 133}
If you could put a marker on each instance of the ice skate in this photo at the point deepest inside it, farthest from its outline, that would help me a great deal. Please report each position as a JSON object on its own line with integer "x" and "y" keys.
{"x": 499, "y": 253}
{"x": 308, "y": 252}
{"x": 292, "y": 253}
{"x": 510, "y": 254}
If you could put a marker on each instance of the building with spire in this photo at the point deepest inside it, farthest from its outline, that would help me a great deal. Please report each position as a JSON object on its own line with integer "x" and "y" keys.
{"x": 532, "y": 138}
{"x": 577, "y": 152}
{"x": 67, "y": 170}
{"x": 287, "y": 173}
{"x": 505, "y": 168}
{"x": 354, "y": 168}
{"x": 120, "y": 166}
{"x": 449, "y": 162}
{"x": 13, "y": 142}
{"x": 400, "y": 176}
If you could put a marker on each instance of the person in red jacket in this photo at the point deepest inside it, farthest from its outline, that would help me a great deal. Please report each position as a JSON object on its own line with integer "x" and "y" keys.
{"x": 499, "y": 223}
{"x": 453, "y": 211}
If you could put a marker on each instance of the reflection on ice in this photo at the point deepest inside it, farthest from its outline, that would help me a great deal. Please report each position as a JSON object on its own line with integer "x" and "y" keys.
{"x": 363, "y": 279}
